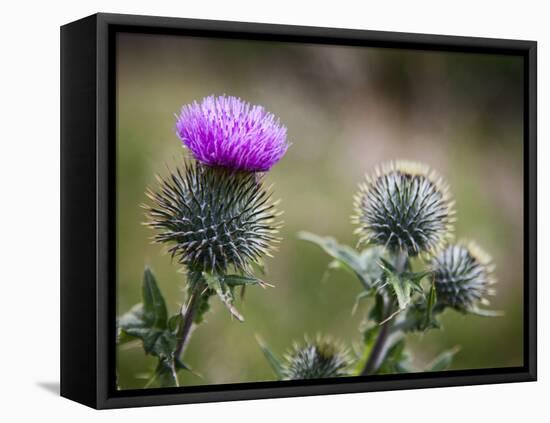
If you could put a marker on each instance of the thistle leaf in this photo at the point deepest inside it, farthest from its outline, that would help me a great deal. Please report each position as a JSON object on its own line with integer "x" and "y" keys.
{"x": 361, "y": 296}
{"x": 396, "y": 359}
{"x": 419, "y": 317}
{"x": 432, "y": 299}
{"x": 154, "y": 306}
{"x": 442, "y": 361}
{"x": 369, "y": 338}
{"x": 166, "y": 374}
{"x": 363, "y": 265}
{"x": 133, "y": 323}
{"x": 174, "y": 321}
{"x": 386, "y": 265}
{"x": 401, "y": 288}
{"x": 416, "y": 277}
{"x": 148, "y": 315}
{"x": 271, "y": 358}
{"x": 203, "y": 309}
{"x": 260, "y": 267}
{"x": 159, "y": 343}
{"x": 239, "y": 280}
{"x": 485, "y": 313}
{"x": 148, "y": 321}
{"x": 224, "y": 293}
{"x": 180, "y": 365}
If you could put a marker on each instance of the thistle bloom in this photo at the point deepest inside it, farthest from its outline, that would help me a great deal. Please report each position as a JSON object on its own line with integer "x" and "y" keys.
{"x": 213, "y": 218}
{"x": 322, "y": 358}
{"x": 229, "y": 132}
{"x": 404, "y": 206}
{"x": 463, "y": 274}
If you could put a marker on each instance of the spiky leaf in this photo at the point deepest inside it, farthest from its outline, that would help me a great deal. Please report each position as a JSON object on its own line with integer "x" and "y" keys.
{"x": 148, "y": 321}
{"x": 239, "y": 280}
{"x": 224, "y": 292}
{"x": 442, "y": 361}
{"x": 271, "y": 357}
{"x": 396, "y": 359}
{"x": 361, "y": 264}
{"x": 149, "y": 315}
{"x": 154, "y": 306}
{"x": 369, "y": 338}
{"x": 166, "y": 375}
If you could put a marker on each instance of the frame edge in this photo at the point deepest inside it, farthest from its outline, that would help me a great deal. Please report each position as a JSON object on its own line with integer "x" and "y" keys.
{"x": 78, "y": 205}
{"x": 104, "y": 400}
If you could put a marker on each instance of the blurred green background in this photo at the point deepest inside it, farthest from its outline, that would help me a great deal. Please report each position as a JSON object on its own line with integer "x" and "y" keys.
{"x": 346, "y": 110}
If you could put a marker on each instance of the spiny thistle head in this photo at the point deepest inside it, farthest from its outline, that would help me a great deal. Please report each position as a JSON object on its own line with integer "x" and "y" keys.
{"x": 318, "y": 359}
{"x": 229, "y": 132}
{"x": 404, "y": 206}
{"x": 214, "y": 219}
{"x": 463, "y": 275}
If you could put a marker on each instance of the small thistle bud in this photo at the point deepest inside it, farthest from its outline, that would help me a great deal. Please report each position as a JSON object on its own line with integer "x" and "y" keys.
{"x": 404, "y": 206}
{"x": 322, "y": 358}
{"x": 463, "y": 274}
{"x": 229, "y": 132}
{"x": 213, "y": 218}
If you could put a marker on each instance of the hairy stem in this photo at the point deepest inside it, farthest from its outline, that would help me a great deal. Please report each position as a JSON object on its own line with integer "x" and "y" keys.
{"x": 184, "y": 329}
{"x": 379, "y": 348}
{"x": 401, "y": 261}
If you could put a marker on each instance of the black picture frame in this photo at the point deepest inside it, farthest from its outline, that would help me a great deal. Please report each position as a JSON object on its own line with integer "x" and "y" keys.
{"x": 88, "y": 210}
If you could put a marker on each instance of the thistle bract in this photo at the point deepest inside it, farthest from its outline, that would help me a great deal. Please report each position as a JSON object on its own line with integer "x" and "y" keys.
{"x": 229, "y": 132}
{"x": 213, "y": 218}
{"x": 404, "y": 206}
{"x": 463, "y": 274}
{"x": 322, "y": 358}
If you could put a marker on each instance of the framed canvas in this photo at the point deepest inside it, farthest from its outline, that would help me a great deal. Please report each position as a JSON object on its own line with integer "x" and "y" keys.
{"x": 406, "y": 169}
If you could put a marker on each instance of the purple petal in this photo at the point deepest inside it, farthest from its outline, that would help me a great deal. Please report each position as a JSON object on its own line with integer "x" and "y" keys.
{"x": 229, "y": 132}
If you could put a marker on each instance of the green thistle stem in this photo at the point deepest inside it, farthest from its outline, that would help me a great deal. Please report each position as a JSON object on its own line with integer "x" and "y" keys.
{"x": 401, "y": 260}
{"x": 379, "y": 348}
{"x": 375, "y": 356}
{"x": 184, "y": 329}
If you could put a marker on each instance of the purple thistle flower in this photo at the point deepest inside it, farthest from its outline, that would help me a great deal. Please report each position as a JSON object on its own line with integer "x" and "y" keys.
{"x": 229, "y": 132}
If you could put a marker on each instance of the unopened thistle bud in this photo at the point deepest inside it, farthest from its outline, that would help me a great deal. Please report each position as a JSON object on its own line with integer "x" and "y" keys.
{"x": 463, "y": 275}
{"x": 213, "y": 218}
{"x": 322, "y": 358}
{"x": 404, "y": 206}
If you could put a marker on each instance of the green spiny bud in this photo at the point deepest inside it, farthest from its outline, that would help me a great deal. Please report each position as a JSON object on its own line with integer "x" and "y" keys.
{"x": 404, "y": 206}
{"x": 463, "y": 275}
{"x": 322, "y": 358}
{"x": 213, "y": 218}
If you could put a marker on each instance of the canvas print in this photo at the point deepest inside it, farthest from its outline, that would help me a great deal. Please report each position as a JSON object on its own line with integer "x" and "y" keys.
{"x": 292, "y": 211}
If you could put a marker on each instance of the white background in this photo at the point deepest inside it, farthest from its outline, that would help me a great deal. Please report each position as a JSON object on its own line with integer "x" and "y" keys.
{"x": 29, "y": 224}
